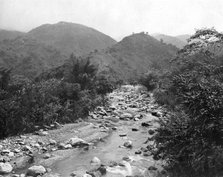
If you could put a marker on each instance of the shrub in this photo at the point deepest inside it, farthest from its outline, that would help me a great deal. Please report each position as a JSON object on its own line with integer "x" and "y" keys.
{"x": 149, "y": 80}
{"x": 25, "y": 103}
{"x": 190, "y": 140}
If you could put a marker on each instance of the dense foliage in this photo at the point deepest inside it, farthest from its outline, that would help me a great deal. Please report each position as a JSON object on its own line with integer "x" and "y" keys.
{"x": 190, "y": 140}
{"x": 25, "y": 104}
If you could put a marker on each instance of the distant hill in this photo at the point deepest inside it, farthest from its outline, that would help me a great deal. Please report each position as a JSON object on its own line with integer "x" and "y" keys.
{"x": 129, "y": 58}
{"x": 183, "y": 37}
{"x": 48, "y": 46}
{"x": 71, "y": 38}
{"x": 28, "y": 57}
{"x": 171, "y": 40}
{"x": 5, "y": 34}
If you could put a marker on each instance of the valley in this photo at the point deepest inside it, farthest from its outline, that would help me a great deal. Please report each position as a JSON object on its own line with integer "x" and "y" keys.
{"x": 116, "y": 136}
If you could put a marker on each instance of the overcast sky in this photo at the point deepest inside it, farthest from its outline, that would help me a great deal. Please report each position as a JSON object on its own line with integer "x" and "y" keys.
{"x": 116, "y": 18}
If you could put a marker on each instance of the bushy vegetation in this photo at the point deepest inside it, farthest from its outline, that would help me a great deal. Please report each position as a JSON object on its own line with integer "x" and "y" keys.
{"x": 149, "y": 80}
{"x": 190, "y": 140}
{"x": 25, "y": 104}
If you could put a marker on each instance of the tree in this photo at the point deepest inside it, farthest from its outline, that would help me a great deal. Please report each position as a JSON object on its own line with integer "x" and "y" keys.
{"x": 190, "y": 140}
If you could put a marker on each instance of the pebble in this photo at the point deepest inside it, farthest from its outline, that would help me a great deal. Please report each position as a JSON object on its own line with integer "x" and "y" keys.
{"x": 151, "y": 131}
{"x": 96, "y": 161}
{"x": 52, "y": 142}
{"x": 46, "y": 155}
{"x": 43, "y": 133}
{"x": 123, "y": 134}
{"x": 128, "y": 144}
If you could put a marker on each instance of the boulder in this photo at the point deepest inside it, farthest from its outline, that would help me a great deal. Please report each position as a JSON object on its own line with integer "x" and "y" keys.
{"x": 23, "y": 161}
{"x": 5, "y": 168}
{"x": 36, "y": 170}
{"x": 77, "y": 142}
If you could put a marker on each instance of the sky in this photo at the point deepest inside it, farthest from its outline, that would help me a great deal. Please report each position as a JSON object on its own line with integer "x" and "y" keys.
{"x": 116, "y": 18}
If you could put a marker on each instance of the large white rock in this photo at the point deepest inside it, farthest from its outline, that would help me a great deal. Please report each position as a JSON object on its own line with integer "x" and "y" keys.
{"x": 36, "y": 170}
{"x": 5, "y": 168}
{"x": 77, "y": 141}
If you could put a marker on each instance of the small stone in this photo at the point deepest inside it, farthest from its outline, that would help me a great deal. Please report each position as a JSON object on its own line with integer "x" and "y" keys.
{"x": 146, "y": 124}
{"x": 143, "y": 149}
{"x": 138, "y": 116}
{"x": 152, "y": 168}
{"x": 16, "y": 150}
{"x": 114, "y": 128}
{"x": 126, "y": 116}
{"x": 6, "y": 151}
{"x": 4, "y": 159}
{"x": 43, "y": 133}
{"x": 36, "y": 145}
{"x": 52, "y": 142}
{"x": 27, "y": 148}
{"x": 95, "y": 161}
{"x": 138, "y": 152}
{"x": 40, "y": 142}
{"x": 112, "y": 164}
{"x": 126, "y": 159}
{"x": 157, "y": 114}
{"x": 128, "y": 144}
{"x": 54, "y": 149}
{"x": 44, "y": 149}
{"x": 146, "y": 154}
{"x": 47, "y": 156}
{"x": 151, "y": 131}
{"x": 123, "y": 134}
{"x": 68, "y": 146}
{"x": 5, "y": 168}
{"x": 1, "y": 146}
{"x": 36, "y": 170}
{"x": 61, "y": 146}
{"x": 134, "y": 129}
{"x": 48, "y": 170}
{"x": 11, "y": 154}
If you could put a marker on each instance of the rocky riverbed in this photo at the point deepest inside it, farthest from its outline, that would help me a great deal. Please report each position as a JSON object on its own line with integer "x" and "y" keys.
{"x": 114, "y": 141}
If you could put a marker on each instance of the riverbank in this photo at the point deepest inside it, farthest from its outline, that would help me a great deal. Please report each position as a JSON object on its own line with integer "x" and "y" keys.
{"x": 116, "y": 135}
